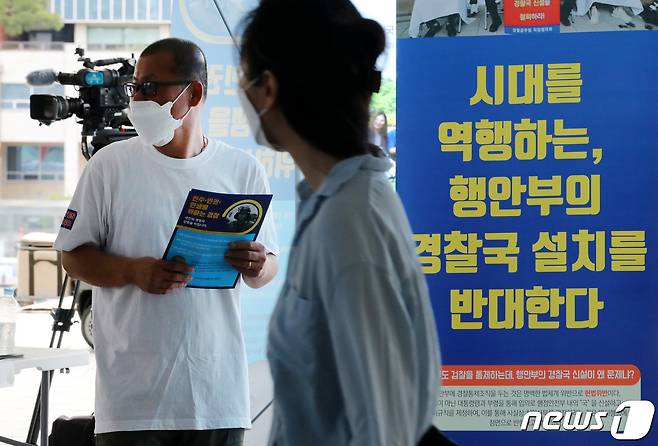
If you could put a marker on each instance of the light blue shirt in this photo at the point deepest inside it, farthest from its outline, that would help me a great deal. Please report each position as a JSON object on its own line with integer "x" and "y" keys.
{"x": 352, "y": 341}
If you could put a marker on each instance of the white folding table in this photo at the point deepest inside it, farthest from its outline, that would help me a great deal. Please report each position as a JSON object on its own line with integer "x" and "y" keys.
{"x": 45, "y": 360}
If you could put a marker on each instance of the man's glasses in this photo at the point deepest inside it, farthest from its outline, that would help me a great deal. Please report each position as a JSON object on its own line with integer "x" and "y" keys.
{"x": 148, "y": 88}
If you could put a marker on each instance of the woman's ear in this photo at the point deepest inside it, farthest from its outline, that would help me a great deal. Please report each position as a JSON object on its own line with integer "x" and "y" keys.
{"x": 270, "y": 86}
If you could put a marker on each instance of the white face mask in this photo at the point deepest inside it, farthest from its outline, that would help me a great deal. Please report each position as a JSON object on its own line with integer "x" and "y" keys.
{"x": 253, "y": 116}
{"x": 153, "y": 122}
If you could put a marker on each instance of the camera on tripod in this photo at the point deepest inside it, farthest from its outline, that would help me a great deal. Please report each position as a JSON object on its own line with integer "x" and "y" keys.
{"x": 101, "y": 105}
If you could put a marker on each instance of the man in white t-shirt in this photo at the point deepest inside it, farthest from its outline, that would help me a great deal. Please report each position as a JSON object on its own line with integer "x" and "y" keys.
{"x": 170, "y": 361}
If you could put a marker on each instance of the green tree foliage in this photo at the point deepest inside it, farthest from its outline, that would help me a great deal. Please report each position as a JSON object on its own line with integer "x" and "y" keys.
{"x": 385, "y": 100}
{"x": 18, "y": 16}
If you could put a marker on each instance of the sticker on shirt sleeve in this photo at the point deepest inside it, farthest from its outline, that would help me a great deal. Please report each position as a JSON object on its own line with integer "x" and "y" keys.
{"x": 69, "y": 219}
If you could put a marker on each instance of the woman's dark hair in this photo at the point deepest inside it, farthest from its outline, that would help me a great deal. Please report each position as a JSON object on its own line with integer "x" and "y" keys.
{"x": 383, "y": 132}
{"x": 323, "y": 54}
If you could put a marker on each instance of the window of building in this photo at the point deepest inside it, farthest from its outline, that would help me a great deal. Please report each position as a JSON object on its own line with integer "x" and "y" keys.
{"x": 118, "y": 10}
{"x": 130, "y": 10}
{"x": 69, "y": 11}
{"x": 17, "y": 96}
{"x": 41, "y": 40}
{"x": 141, "y": 10}
{"x": 112, "y": 10}
{"x": 14, "y": 95}
{"x": 54, "y": 89}
{"x": 154, "y": 10}
{"x": 141, "y": 36}
{"x": 105, "y": 10}
{"x": 105, "y": 37}
{"x": 93, "y": 10}
{"x": 35, "y": 163}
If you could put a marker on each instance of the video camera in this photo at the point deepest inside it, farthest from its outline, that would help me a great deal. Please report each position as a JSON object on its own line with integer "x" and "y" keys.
{"x": 101, "y": 105}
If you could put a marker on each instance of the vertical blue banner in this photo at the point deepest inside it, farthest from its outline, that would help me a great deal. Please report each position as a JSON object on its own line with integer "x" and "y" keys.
{"x": 223, "y": 118}
{"x": 528, "y": 168}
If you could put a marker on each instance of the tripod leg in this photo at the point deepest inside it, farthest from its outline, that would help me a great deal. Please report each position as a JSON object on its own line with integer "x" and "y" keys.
{"x": 33, "y": 430}
{"x": 74, "y": 302}
{"x": 46, "y": 377}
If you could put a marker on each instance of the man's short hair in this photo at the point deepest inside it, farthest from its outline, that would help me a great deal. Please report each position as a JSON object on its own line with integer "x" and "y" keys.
{"x": 189, "y": 60}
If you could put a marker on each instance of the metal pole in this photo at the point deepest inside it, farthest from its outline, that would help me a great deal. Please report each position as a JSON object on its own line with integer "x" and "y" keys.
{"x": 228, "y": 28}
{"x": 33, "y": 430}
{"x": 74, "y": 301}
{"x": 30, "y": 262}
{"x": 5, "y": 440}
{"x": 45, "y": 387}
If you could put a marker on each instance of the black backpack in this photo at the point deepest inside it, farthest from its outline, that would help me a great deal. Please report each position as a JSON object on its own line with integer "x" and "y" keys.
{"x": 75, "y": 431}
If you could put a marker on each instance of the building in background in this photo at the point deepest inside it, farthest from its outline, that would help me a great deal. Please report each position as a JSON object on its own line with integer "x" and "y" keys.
{"x": 40, "y": 165}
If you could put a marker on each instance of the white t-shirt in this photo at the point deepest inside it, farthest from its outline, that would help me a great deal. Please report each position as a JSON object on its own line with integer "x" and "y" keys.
{"x": 163, "y": 362}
